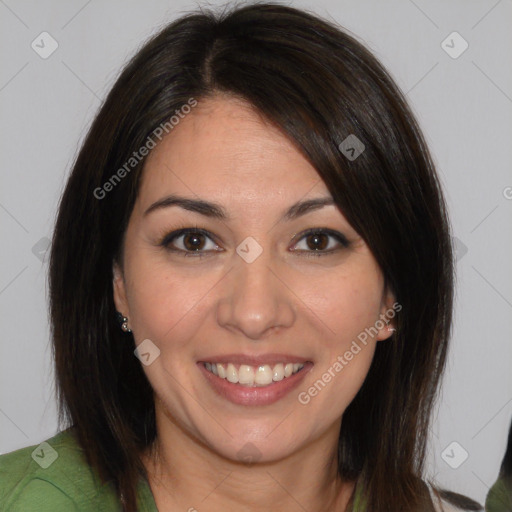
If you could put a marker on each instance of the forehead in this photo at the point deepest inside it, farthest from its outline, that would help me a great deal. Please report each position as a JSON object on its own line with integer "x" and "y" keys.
{"x": 224, "y": 149}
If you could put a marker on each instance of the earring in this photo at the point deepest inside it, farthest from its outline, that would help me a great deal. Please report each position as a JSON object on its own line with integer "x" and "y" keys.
{"x": 124, "y": 323}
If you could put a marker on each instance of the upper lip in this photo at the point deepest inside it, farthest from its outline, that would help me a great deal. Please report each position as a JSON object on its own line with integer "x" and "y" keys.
{"x": 254, "y": 360}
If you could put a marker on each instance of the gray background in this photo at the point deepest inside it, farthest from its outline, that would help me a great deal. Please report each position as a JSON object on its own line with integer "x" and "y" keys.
{"x": 464, "y": 105}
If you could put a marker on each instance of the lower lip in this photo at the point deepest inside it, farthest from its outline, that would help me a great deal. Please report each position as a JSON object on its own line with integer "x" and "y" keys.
{"x": 245, "y": 395}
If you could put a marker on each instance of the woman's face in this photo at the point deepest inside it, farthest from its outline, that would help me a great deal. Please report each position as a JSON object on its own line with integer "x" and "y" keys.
{"x": 250, "y": 290}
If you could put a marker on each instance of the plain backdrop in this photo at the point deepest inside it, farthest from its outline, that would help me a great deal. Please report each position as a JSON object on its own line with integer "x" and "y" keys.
{"x": 463, "y": 103}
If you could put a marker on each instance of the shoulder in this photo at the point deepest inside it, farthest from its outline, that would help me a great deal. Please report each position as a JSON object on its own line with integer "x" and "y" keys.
{"x": 50, "y": 476}
{"x": 499, "y": 498}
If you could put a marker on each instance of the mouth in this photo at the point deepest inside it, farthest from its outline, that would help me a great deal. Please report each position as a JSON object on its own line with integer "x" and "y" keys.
{"x": 254, "y": 381}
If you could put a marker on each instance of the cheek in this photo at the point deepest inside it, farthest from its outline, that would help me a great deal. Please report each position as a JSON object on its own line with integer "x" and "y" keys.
{"x": 161, "y": 299}
{"x": 347, "y": 382}
{"x": 347, "y": 303}
{"x": 338, "y": 377}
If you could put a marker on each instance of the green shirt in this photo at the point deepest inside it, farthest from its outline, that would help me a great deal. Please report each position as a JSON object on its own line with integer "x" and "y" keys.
{"x": 54, "y": 477}
{"x": 499, "y": 498}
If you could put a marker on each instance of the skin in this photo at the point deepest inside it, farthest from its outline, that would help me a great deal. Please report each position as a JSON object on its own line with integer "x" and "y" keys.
{"x": 193, "y": 307}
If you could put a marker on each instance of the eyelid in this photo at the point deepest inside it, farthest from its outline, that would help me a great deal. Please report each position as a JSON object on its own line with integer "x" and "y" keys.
{"x": 179, "y": 232}
{"x": 325, "y": 231}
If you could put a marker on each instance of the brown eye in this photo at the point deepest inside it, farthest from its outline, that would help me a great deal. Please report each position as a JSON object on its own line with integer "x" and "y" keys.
{"x": 193, "y": 241}
{"x": 318, "y": 241}
{"x": 190, "y": 242}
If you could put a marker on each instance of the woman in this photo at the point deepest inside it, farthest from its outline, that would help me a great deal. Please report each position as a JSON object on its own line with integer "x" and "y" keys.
{"x": 255, "y": 215}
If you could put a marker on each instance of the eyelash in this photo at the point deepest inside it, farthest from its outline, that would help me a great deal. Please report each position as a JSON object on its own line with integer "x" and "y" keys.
{"x": 170, "y": 237}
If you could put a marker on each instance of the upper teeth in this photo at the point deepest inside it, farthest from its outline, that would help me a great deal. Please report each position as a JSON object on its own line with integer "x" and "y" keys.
{"x": 247, "y": 375}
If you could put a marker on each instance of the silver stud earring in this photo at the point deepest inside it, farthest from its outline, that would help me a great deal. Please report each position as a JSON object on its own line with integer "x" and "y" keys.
{"x": 124, "y": 324}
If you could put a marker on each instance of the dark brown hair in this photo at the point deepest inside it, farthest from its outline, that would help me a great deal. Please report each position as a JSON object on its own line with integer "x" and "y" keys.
{"x": 506, "y": 464}
{"x": 319, "y": 85}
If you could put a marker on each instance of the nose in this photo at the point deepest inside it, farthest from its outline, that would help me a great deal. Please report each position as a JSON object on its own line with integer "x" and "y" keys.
{"x": 254, "y": 300}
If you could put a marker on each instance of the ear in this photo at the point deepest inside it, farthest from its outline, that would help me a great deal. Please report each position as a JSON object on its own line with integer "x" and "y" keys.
{"x": 387, "y": 318}
{"x": 119, "y": 290}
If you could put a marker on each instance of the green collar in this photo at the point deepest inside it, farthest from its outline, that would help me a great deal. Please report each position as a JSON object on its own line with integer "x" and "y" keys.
{"x": 359, "y": 501}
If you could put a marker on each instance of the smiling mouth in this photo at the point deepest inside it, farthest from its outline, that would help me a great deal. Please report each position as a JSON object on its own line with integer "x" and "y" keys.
{"x": 253, "y": 376}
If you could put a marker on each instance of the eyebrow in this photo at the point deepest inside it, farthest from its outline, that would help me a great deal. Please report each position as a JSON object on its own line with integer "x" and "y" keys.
{"x": 216, "y": 211}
